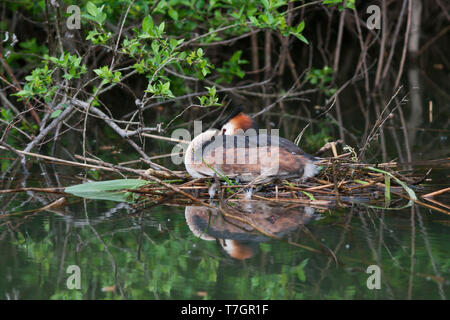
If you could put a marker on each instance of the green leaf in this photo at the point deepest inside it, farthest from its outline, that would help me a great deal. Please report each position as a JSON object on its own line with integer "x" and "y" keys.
{"x": 91, "y": 9}
{"x": 147, "y": 24}
{"x": 300, "y": 27}
{"x": 302, "y": 38}
{"x": 109, "y": 185}
{"x": 309, "y": 195}
{"x": 106, "y": 190}
{"x": 254, "y": 21}
{"x": 166, "y": 86}
{"x": 55, "y": 114}
{"x": 212, "y": 91}
{"x": 23, "y": 93}
{"x": 117, "y": 76}
{"x": 173, "y": 43}
{"x": 173, "y": 14}
{"x": 150, "y": 88}
{"x": 101, "y": 17}
{"x": 155, "y": 46}
{"x": 161, "y": 28}
{"x": 301, "y": 275}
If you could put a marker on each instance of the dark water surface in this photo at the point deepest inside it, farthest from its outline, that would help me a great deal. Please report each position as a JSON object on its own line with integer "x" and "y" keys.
{"x": 177, "y": 252}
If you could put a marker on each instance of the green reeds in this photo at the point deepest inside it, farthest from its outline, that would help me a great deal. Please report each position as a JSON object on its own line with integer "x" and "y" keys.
{"x": 387, "y": 189}
{"x": 410, "y": 192}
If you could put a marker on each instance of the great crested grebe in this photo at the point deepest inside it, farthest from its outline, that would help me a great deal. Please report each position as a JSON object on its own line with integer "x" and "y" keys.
{"x": 236, "y": 150}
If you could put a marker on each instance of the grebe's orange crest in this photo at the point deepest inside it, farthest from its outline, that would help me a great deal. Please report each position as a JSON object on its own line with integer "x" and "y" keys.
{"x": 242, "y": 121}
{"x": 237, "y": 121}
{"x": 237, "y": 249}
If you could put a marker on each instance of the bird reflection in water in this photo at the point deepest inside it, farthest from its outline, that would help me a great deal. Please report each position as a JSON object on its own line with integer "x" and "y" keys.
{"x": 238, "y": 239}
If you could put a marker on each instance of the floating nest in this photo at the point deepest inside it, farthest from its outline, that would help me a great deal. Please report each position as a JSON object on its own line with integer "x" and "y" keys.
{"x": 342, "y": 181}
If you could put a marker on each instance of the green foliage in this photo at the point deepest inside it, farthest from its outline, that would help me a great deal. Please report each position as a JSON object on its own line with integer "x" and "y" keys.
{"x": 39, "y": 83}
{"x": 349, "y": 4}
{"x": 107, "y": 75}
{"x": 154, "y": 45}
{"x": 95, "y": 14}
{"x": 211, "y": 99}
{"x": 161, "y": 89}
{"x": 271, "y": 18}
{"x": 6, "y": 115}
{"x": 150, "y": 31}
{"x": 232, "y": 68}
{"x": 279, "y": 286}
{"x": 298, "y": 32}
{"x": 197, "y": 58}
{"x": 98, "y": 37}
{"x": 29, "y": 50}
{"x": 322, "y": 78}
{"x": 316, "y": 140}
{"x": 55, "y": 114}
{"x": 70, "y": 64}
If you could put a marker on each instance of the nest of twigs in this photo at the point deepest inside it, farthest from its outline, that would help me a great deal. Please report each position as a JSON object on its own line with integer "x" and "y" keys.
{"x": 341, "y": 182}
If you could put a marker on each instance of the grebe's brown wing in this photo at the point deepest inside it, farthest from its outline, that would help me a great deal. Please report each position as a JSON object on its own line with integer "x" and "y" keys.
{"x": 263, "y": 140}
{"x": 293, "y": 148}
{"x": 251, "y": 156}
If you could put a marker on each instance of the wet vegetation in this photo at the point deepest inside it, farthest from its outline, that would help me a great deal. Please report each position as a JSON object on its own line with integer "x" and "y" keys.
{"x": 90, "y": 102}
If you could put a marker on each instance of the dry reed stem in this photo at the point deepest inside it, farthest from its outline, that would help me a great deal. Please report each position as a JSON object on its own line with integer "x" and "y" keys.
{"x": 435, "y": 193}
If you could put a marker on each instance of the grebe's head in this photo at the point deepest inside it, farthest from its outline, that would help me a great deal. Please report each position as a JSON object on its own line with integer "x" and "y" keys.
{"x": 240, "y": 250}
{"x": 237, "y": 122}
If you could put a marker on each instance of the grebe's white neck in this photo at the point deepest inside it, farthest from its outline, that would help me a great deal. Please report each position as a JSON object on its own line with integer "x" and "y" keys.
{"x": 228, "y": 129}
{"x": 194, "y": 150}
{"x": 192, "y": 213}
